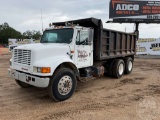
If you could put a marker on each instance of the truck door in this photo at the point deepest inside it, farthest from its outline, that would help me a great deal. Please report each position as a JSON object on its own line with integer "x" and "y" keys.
{"x": 84, "y": 48}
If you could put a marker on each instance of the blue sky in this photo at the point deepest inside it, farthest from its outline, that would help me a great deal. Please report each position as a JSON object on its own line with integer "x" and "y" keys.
{"x": 26, "y": 14}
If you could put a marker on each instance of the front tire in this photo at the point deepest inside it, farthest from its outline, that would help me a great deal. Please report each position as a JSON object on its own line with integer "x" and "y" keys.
{"x": 22, "y": 84}
{"x": 62, "y": 84}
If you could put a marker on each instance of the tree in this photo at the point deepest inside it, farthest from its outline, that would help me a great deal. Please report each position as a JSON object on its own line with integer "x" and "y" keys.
{"x": 8, "y": 32}
{"x": 36, "y": 34}
{"x": 32, "y": 34}
{"x": 27, "y": 34}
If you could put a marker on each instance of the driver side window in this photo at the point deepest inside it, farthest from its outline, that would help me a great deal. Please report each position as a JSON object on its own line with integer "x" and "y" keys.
{"x": 82, "y": 38}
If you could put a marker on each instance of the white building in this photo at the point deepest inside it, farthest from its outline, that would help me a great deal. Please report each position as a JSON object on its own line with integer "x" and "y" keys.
{"x": 148, "y": 46}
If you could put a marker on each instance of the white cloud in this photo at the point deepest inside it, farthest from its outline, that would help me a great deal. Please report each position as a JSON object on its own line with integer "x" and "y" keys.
{"x": 95, "y": 12}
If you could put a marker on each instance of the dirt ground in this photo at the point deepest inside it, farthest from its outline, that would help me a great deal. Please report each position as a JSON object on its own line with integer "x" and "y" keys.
{"x": 133, "y": 97}
{"x": 4, "y": 50}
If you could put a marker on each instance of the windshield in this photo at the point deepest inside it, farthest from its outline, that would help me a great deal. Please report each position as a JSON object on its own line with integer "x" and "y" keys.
{"x": 58, "y": 36}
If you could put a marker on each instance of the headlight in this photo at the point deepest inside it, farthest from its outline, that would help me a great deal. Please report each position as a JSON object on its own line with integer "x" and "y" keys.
{"x": 39, "y": 69}
{"x": 10, "y": 62}
{"x": 42, "y": 69}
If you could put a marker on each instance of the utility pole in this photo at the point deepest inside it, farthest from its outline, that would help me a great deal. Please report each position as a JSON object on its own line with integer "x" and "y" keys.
{"x": 42, "y": 21}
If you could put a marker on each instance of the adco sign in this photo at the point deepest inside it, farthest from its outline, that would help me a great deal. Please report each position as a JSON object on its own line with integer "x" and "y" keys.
{"x": 135, "y": 10}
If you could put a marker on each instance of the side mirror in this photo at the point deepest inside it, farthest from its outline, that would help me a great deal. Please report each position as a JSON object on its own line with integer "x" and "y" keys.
{"x": 78, "y": 38}
{"x": 91, "y": 33}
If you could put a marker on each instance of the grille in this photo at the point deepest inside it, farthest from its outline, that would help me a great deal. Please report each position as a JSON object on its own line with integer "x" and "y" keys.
{"x": 22, "y": 56}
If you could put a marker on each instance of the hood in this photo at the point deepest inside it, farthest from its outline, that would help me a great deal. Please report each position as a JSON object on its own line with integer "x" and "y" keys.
{"x": 41, "y": 46}
{"x": 41, "y": 51}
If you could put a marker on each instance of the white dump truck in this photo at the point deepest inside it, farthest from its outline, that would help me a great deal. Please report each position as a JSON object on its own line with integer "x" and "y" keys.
{"x": 72, "y": 51}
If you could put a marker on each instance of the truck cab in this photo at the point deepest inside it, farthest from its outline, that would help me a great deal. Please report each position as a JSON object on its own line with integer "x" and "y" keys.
{"x": 78, "y": 39}
{"x": 60, "y": 47}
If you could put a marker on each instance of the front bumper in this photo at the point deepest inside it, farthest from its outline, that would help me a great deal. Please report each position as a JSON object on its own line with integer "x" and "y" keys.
{"x": 29, "y": 79}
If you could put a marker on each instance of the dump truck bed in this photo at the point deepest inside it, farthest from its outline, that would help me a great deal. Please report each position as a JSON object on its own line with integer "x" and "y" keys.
{"x": 107, "y": 43}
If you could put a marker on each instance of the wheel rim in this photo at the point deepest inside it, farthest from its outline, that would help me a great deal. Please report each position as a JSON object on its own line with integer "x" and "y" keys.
{"x": 65, "y": 85}
{"x": 130, "y": 65}
{"x": 121, "y": 69}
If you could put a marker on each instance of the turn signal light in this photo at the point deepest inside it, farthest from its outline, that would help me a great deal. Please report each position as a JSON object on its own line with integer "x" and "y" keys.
{"x": 46, "y": 70}
{"x": 72, "y": 51}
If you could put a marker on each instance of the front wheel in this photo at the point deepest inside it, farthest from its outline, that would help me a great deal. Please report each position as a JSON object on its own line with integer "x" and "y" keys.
{"x": 62, "y": 84}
